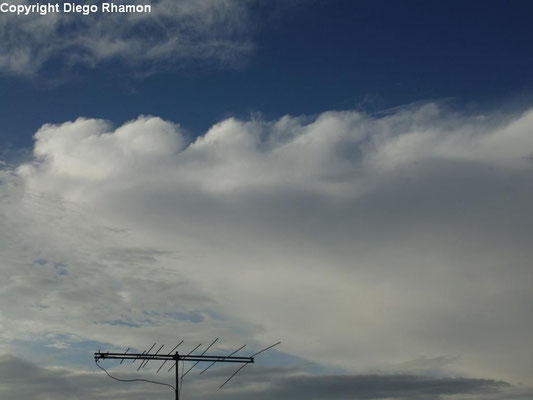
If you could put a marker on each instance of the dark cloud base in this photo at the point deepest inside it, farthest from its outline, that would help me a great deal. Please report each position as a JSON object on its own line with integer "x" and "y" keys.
{"x": 20, "y": 379}
{"x": 378, "y": 387}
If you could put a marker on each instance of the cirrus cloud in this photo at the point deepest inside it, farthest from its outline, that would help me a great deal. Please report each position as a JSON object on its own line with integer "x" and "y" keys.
{"x": 175, "y": 33}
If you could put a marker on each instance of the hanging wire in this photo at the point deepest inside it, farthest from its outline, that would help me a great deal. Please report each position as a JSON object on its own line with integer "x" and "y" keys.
{"x": 176, "y": 365}
{"x": 132, "y": 380}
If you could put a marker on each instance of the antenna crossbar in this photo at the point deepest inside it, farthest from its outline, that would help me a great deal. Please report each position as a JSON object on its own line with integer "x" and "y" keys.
{"x": 174, "y": 357}
{"x": 170, "y": 357}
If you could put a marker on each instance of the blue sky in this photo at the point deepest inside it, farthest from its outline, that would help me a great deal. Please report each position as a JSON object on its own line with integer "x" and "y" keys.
{"x": 352, "y": 178}
{"x": 307, "y": 57}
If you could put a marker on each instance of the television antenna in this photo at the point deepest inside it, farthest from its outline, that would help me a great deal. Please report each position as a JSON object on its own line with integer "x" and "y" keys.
{"x": 175, "y": 358}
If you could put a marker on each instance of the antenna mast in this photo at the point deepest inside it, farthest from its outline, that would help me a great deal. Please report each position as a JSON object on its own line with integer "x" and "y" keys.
{"x": 175, "y": 357}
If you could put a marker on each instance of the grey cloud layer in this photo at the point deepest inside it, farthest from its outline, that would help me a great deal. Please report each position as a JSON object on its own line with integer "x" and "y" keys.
{"x": 175, "y": 32}
{"x": 395, "y": 243}
{"x": 20, "y": 379}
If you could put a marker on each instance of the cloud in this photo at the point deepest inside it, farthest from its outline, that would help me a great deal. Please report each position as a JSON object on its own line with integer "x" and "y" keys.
{"x": 394, "y": 243}
{"x": 378, "y": 387}
{"x": 21, "y": 379}
{"x": 175, "y": 33}
{"x": 336, "y": 154}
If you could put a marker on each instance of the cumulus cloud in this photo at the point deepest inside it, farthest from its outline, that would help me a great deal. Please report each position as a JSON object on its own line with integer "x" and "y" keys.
{"x": 174, "y": 33}
{"x": 394, "y": 243}
{"x": 336, "y": 154}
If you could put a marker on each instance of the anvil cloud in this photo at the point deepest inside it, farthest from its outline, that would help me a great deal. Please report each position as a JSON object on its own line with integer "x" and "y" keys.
{"x": 392, "y": 244}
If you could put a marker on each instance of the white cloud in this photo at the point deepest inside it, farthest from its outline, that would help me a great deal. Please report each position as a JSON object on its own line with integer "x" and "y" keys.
{"x": 363, "y": 243}
{"x": 174, "y": 33}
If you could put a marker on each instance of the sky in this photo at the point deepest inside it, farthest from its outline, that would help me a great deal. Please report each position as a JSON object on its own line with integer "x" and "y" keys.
{"x": 351, "y": 178}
